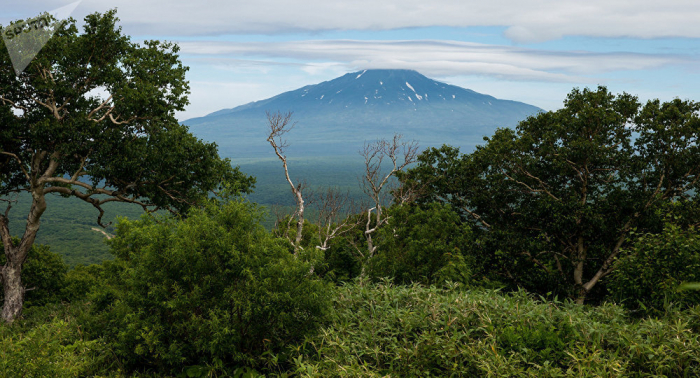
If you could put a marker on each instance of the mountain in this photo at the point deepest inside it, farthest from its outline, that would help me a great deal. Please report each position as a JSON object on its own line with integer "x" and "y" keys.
{"x": 335, "y": 117}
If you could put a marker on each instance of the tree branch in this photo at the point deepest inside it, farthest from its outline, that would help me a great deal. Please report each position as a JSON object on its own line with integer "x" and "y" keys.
{"x": 21, "y": 165}
{"x": 279, "y": 124}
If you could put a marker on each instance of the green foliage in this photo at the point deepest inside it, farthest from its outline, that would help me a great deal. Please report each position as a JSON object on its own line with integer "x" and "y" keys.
{"x": 133, "y": 141}
{"x": 380, "y": 330}
{"x": 648, "y": 277}
{"x": 423, "y": 244}
{"x": 83, "y": 280}
{"x": 44, "y": 275}
{"x": 341, "y": 261}
{"x": 213, "y": 289}
{"x": 50, "y": 343}
{"x": 339, "y": 172}
{"x": 68, "y": 224}
{"x": 286, "y": 228}
{"x": 555, "y": 200}
{"x": 415, "y": 331}
{"x": 93, "y": 117}
{"x": 538, "y": 343}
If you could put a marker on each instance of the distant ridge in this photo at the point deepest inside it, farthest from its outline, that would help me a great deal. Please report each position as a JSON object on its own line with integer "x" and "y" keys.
{"x": 335, "y": 117}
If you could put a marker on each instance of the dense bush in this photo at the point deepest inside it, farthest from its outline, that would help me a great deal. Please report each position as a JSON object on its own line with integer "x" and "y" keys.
{"x": 44, "y": 276}
{"x": 212, "y": 291}
{"x": 342, "y": 261}
{"x": 649, "y": 275}
{"x": 423, "y": 244}
{"x": 48, "y": 342}
{"x": 82, "y": 280}
{"x": 410, "y": 331}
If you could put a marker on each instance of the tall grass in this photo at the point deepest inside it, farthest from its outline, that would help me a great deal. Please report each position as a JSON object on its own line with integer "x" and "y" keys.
{"x": 400, "y": 331}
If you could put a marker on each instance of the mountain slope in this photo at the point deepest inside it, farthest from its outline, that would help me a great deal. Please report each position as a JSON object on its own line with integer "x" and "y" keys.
{"x": 337, "y": 116}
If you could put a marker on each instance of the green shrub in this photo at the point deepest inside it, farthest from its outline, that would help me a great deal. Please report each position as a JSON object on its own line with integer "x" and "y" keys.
{"x": 48, "y": 342}
{"x": 648, "y": 277}
{"x": 342, "y": 262}
{"x": 211, "y": 291}
{"x": 422, "y": 244}
{"x": 43, "y": 275}
{"x": 539, "y": 343}
{"x": 415, "y": 331}
{"x": 82, "y": 280}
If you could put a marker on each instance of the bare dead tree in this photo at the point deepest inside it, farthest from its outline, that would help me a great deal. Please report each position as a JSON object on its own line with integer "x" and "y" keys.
{"x": 400, "y": 154}
{"x": 280, "y": 124}
{"x": 334, "y": 209}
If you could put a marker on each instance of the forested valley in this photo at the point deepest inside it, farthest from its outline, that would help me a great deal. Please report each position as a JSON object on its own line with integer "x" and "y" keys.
{"x": 565, "y": 247}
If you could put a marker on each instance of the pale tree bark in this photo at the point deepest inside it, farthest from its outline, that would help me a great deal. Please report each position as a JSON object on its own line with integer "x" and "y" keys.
{"x": 280, "y": 124}
{"x": 376, "y": 178}
{"x": 15, "y": 255}
{"x": 334, "y": 216}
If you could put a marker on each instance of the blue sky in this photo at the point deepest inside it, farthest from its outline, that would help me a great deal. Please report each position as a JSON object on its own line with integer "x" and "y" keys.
{"x": 530, "y": 51}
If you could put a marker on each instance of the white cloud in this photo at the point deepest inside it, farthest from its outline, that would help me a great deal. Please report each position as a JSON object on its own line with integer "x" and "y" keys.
{"x": 438, "y": 58}
{"x": 527, "y": 21}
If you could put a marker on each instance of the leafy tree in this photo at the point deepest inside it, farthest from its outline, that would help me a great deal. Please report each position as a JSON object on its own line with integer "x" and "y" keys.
{"x": 92, "y": 117}
{"x": 558, "y": 198}
{"x": 423, "y": 244}
{"x": 214, "y": 286}
{"x": 649, "y": 276}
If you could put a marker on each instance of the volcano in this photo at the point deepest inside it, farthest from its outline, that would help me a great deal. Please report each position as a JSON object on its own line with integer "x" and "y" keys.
{"x": 336, "y": 117}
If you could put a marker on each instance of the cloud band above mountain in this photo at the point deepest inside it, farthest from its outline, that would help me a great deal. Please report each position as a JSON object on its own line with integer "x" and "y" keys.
{"x": 525, "y": 21}
{"x": 438, "y": 58}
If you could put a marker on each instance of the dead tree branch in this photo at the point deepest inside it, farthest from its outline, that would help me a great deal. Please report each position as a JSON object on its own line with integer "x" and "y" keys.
{"x": 400, "y": 154}
{"x": 280, "y": 124}
{"x": 334, "y": 209}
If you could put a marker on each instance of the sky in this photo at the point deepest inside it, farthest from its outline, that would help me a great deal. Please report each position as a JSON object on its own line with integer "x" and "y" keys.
{"x": 530, "y": 51}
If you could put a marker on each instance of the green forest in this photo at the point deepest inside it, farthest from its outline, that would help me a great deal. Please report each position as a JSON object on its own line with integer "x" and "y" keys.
{"x": 69, "y": 224}
{"x": 566, "y": 247}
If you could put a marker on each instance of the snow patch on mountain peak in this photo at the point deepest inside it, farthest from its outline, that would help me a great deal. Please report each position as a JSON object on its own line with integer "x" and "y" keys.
{"x": 409, "y": 85}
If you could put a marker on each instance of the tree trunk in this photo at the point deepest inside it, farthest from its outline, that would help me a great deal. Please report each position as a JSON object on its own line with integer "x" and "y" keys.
{"x": 15, "y": 256}
{"x": 582, "y": 292}
{"x": 13, "y": 290}
{"x": 300, "y": 220}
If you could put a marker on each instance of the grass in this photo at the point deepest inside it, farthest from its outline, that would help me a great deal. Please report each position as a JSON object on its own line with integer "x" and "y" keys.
{"x": 416, "y": 331}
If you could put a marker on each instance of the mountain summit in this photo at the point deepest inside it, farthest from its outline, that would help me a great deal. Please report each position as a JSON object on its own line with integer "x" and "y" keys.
{"x": 337, "y": 116}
